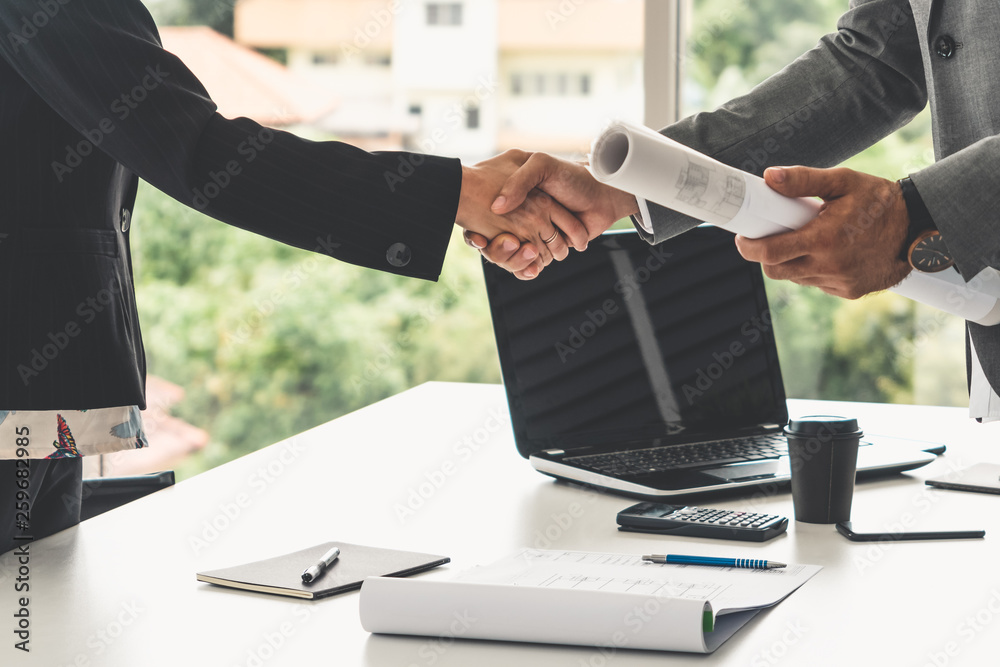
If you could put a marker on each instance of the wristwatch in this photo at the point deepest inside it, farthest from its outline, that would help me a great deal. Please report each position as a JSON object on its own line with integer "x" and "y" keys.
{"x": 924, "y": 248}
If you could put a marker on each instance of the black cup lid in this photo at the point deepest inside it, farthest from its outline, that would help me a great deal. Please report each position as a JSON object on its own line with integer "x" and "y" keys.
{"x": 811, "y": 425}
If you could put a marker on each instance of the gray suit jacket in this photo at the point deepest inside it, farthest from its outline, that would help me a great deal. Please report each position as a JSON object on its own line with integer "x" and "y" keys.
{"x": 858, "y": 85}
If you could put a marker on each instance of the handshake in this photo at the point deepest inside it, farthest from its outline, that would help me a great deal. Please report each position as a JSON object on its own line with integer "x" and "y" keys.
{"x": 522, "y": 210}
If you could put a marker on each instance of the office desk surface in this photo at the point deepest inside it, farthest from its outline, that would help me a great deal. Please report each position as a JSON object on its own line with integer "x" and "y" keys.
{"x": 435, "y": 469}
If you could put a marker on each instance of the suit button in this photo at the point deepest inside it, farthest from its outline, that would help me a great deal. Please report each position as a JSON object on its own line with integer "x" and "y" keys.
{"x": 126, "y": 219}
{"x": 945, "y": 46}
{"x": 399, "y": 254}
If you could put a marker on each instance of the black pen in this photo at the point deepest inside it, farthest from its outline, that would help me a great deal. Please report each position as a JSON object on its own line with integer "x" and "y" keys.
{"x": 313, "y": 571}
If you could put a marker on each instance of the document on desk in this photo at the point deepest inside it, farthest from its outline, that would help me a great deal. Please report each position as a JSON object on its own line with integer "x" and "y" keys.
{"x": 581, "y": 598}
{"x": 655, "y": 168}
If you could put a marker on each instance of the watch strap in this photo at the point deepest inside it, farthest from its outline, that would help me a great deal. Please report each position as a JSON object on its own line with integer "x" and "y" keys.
{"x": 920, "y": 217}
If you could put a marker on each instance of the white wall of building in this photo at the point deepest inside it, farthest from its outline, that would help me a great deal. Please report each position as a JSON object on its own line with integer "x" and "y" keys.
{"x": 443, "y": 73}
{"x": 365, "y": 74}
{"x": 544, "y": 94}
{"x": 445, "y": 57}
{"x": 422, "y": 81}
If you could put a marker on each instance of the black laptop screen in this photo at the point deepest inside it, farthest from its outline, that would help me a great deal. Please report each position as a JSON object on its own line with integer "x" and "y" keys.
{"x": 632, "y": 341}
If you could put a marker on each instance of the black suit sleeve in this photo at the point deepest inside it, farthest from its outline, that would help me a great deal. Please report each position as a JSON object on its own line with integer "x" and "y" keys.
{"x": 99, "y": 64}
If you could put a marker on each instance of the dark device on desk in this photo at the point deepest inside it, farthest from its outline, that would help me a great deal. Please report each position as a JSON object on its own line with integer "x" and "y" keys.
{"x": 981, "y": 478}
{"x": 652, "y": 371}
{"x": 846, "y": 528}
{"x": 664, "y": 519}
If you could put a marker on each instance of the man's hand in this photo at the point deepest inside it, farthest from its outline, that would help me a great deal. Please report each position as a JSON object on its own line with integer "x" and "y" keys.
{"x": 592, "y": 203}
{"x": 851, "y": 248}
{"x": 546, "y": 228}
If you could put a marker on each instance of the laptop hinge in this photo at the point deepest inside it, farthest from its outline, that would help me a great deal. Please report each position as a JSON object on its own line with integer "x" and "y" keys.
{"x": 553, "y": 452}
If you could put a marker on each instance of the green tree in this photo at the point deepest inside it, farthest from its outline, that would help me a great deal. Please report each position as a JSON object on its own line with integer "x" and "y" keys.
{"x": 217, "y": 14}
{"x": 269, "y": 340}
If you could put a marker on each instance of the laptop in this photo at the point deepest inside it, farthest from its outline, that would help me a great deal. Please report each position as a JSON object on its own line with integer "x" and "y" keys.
{"x": 652, "y": 371}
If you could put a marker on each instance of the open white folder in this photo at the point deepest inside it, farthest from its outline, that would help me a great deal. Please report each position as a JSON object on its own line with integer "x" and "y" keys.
{"x": 581, "y": 598}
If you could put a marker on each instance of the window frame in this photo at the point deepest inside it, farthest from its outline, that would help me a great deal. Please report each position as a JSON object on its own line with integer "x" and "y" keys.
{"x": 444, "y": 14}
{"x": 663, "y": 61}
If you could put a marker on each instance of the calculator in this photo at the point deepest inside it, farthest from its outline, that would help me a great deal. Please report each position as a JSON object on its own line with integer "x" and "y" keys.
{"x": 664, "y": 519}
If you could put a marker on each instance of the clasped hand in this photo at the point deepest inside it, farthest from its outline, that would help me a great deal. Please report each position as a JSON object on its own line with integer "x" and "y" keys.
{"x": 522, "y": 210}
{"x": 851, "y": 248}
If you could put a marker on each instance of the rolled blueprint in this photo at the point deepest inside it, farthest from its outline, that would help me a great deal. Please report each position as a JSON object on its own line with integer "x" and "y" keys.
{"x": 648, "y": 165}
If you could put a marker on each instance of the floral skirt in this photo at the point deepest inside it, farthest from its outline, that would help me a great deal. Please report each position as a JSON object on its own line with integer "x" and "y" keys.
{"x": 60, "y": 434}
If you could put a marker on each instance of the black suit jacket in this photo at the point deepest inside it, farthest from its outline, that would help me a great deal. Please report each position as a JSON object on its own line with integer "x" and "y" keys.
{"x": 89, "y": 103}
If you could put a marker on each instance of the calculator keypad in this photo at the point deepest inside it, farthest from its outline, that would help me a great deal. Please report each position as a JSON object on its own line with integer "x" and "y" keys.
{"x": 666, "y": 519}
{"x": 722, "y": 517}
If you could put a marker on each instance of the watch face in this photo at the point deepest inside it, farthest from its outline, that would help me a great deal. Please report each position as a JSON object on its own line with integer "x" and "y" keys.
{"x": 929, "y": 254}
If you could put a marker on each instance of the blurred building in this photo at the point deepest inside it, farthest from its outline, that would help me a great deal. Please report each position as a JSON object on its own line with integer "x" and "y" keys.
{"x": 466, "y": 78}
{"x": 242, "y": 82}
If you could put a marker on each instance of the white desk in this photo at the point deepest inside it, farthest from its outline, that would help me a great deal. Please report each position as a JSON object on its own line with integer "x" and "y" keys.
{"x": 121, "y": 589}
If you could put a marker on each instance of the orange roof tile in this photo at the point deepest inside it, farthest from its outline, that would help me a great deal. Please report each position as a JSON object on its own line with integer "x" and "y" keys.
{"x": 245, "y": 83}
{"x": 315, "y": 24}
{"x": 171, "y": 440}
{"x": 523, "y": 25}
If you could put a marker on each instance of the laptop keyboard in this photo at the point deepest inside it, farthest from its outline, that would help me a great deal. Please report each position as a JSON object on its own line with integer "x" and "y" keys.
{"x": 677, "y": 457}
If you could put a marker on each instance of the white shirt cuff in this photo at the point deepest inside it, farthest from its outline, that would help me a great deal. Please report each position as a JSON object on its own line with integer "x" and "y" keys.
{"x": 643, "y": 217}
{"x": 983, "y": 401}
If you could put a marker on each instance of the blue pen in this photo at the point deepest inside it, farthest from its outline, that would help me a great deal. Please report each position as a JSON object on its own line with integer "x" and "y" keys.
{"x": 750, "y": 563}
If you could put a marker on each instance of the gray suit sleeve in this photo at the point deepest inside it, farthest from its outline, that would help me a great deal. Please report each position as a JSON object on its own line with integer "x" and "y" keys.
{"x": 856, "y": 86}
{"x": 962, "y": 194}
